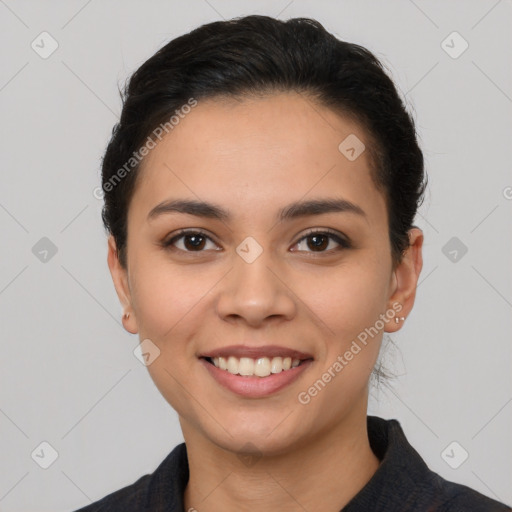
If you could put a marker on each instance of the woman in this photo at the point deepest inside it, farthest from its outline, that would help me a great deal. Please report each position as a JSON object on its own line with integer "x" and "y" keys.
{"x": 260, "y": 193}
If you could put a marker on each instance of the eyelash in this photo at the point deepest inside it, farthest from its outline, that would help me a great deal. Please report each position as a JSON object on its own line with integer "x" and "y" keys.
{"x": 343, "y": 243}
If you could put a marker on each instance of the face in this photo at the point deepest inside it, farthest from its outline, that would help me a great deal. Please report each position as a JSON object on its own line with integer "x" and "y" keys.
{"x": 290, "y": 257}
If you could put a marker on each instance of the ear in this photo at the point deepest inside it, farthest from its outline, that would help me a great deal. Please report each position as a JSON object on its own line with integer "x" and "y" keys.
{"x": 404, "y": 280}
{"x": 120, "y": 277}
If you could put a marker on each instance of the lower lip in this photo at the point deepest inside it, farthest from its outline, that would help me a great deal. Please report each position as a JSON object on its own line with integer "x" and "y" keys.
{"x": 255, "y": 387}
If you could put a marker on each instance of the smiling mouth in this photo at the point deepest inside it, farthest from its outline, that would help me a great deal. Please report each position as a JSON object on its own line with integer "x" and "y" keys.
{"x": 260, "y": 367}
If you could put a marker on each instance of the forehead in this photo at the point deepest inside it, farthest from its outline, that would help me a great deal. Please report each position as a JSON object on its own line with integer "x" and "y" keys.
{"x": 258, "y": 152}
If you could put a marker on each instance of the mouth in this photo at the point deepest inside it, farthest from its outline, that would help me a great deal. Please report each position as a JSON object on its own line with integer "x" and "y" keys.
{"x": 255, "y": 377}
{"x": 252, "y": 361}
{"x": 259, "y": 367}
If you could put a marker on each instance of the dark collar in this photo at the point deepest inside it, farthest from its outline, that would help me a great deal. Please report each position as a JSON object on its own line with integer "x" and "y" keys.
{"x": 400, "y": 470}
{"x": 403, "y": 482}
{"x": 399, "y": 462}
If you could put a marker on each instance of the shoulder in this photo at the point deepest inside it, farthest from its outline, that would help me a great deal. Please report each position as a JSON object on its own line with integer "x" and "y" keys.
{"x": 158, "y": 491}
{"x": 129, "y": 499}
{"x": 454, "y": 497}
{"x": 404, "y": 482}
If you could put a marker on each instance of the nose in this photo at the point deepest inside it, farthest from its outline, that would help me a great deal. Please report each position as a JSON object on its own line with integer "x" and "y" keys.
{"x": 256, "y": 293}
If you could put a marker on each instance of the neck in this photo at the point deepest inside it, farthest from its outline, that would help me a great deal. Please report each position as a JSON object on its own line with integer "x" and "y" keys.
{"x": 324, "y": 474}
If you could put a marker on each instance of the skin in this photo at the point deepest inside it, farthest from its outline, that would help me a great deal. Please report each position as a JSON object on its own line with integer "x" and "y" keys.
{"x": 253, "y": 157}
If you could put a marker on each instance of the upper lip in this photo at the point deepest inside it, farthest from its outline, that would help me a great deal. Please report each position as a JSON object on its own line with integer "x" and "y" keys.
{"x": 256, "y": 352}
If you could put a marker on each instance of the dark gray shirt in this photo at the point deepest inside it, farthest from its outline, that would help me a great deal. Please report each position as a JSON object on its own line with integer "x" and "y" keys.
{"x": 402, "y": 483}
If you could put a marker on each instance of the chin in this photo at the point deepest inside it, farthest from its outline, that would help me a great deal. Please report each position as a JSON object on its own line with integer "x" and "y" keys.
{"x": 256, "y": 445}
{"x": 269, "y": 436}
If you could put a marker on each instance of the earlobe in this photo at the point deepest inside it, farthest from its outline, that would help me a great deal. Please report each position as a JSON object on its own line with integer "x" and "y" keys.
{"x": 405, "y": 280}
{"x": 120, "y": 278}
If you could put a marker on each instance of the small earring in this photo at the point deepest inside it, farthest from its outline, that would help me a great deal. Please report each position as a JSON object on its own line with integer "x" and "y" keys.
{"x": 126, "y": 316}
{"x": 397, "y": 319}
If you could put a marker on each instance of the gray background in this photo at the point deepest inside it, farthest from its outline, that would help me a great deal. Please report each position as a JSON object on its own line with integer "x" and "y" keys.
{"x": 68, "y": 375}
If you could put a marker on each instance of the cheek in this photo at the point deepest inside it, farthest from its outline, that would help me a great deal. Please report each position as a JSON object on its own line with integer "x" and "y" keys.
{"x": 347, "y": 299}
{"x": 349, "y": 302}
{"x": 169, "y": 303}
{"x": 164, "y": 296}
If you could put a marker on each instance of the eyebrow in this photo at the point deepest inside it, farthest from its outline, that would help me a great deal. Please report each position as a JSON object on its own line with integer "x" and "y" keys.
{"x": 292, "y": 211}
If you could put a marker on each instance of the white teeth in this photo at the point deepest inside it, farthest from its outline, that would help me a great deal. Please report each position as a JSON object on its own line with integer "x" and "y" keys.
{"x": 261, "y": 367}
{"x": 246, "y": 366}
{"x": 232, "y": 365}
{"x": 277, "y": 365}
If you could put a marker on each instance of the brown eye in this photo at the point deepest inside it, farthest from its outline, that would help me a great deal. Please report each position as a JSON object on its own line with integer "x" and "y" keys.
{"x": 317, "y": 242}
{"x": 193, "y": 242}
{"x": 320, "y": 241}
{"x": 189, "y": 241}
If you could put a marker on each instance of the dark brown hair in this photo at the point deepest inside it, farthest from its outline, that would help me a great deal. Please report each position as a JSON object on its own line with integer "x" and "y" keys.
{"x": 261, "y": 55}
